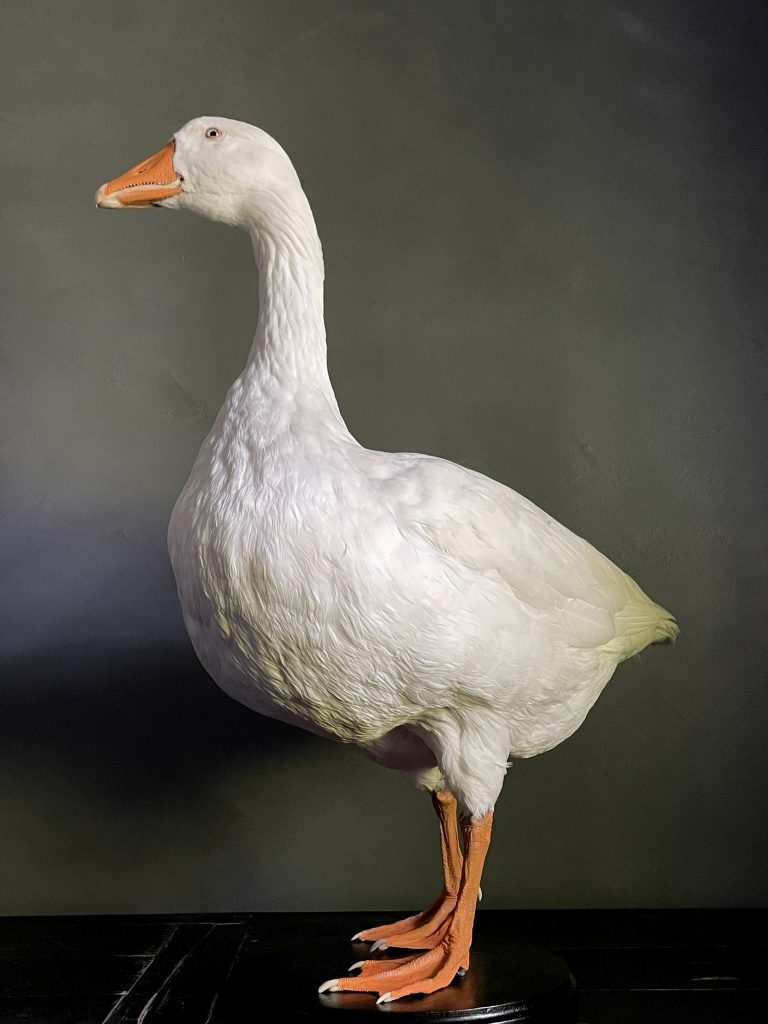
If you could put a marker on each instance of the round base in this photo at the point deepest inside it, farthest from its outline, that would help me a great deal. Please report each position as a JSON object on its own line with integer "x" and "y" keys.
{"x": 514, "y": 982}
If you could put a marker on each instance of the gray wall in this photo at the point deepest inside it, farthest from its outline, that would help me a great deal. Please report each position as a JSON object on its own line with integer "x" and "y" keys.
{"x": 543, "y": 231}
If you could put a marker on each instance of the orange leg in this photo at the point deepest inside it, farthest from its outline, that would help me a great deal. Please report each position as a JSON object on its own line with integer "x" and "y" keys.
{"x": 436, "y": 968}
{"x": 425, "y": 930}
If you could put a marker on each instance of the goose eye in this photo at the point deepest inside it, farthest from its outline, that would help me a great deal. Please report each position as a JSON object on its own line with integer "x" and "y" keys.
{"x": 213, "y": 133}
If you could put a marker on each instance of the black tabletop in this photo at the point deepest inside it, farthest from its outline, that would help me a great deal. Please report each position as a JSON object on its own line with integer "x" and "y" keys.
{"x": 630, "y": 966}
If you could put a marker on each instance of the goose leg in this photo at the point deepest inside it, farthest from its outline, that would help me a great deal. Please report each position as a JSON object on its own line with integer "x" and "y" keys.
{"x": 425, "y": 930}
{"x": 435, "y": 969}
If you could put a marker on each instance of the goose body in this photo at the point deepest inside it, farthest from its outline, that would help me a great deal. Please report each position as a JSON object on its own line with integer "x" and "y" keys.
{"x": 428, "y": 614}
{"x": 360, "y": 593}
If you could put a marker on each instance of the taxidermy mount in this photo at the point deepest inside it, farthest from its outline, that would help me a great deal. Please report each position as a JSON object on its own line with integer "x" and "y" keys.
{"x": 422, "y": 611}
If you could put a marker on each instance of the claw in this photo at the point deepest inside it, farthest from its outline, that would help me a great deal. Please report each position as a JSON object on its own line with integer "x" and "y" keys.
{"x": 355, "y": 967}
{"x": 357, "y": 937}
{"x": 379, "y": 944}
{"x": 386, "y": 998}
{"x": 329, "y": 986}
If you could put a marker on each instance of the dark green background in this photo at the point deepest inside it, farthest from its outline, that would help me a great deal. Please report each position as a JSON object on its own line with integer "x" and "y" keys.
{"x": 543, "y": 226}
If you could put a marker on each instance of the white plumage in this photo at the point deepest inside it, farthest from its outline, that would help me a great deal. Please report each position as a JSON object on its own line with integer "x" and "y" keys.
{"x": 428, "y": 614}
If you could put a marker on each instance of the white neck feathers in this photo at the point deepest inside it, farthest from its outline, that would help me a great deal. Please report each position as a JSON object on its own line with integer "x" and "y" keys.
{"x": 288, "y": 358}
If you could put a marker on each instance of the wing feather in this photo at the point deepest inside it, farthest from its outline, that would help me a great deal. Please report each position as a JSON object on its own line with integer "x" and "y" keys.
{"x": 492, "y": 529}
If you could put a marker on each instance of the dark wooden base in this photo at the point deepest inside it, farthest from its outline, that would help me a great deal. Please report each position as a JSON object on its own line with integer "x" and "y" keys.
{"x": 513, "y": 982}
{"x": 633, "y": 967}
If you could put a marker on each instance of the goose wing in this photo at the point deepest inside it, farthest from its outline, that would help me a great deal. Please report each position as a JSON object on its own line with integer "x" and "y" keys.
{"x": 491, "y": 529}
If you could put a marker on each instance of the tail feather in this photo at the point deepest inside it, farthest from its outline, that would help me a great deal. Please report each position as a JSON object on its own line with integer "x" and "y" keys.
{"x": 642, "y": 623}
{"x": 668, "y": 631}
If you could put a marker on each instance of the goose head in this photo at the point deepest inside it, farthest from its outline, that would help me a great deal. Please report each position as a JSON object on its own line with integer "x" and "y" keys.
{"x": 223, "y": 169}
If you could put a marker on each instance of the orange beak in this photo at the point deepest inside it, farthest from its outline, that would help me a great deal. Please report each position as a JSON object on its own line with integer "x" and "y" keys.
{"x": 146, "y": 183}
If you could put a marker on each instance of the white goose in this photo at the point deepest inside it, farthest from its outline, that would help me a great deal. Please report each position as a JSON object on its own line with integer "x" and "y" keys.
{"x": 422, "y": 611}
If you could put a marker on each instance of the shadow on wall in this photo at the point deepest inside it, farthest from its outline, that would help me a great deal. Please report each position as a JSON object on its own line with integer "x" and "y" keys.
{"x": 129, "y": 725}
{"x": 130, "y": 783}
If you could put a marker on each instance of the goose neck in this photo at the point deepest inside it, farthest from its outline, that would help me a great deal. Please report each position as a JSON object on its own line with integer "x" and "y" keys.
{"x": 288, "y": 362}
